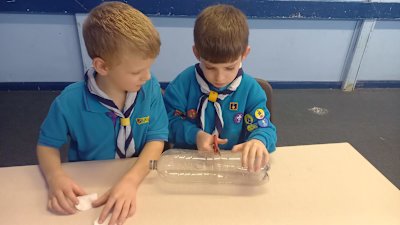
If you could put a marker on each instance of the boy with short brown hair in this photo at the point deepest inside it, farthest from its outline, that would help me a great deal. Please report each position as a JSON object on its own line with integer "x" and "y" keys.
{"x": 215, "y": 98}
{"x": 117, "y": 112}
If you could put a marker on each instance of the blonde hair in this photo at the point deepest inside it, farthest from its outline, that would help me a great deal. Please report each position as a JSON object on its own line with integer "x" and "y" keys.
{"x": 221, "y": 33}
{"x": 114, "y": 27}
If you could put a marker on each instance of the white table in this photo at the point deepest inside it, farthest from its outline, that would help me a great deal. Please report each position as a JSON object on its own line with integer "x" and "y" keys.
{"x": 313, "y": 184}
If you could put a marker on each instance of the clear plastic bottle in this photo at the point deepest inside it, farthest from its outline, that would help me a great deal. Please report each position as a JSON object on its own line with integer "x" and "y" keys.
{"x": 182, "y": 166}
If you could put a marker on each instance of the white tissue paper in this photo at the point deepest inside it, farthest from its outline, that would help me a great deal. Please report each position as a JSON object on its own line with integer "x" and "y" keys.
{"x": 85, "y": 202}
{"x": 96, "y": 222}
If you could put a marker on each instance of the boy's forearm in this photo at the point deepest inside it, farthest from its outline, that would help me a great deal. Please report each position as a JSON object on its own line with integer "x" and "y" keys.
{"x": 49, "y": 161}
{"x": 151, "y": 151}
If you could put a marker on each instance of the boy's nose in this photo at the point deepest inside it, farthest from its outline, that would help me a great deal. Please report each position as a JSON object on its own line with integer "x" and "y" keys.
{"x": 219, "y": 76}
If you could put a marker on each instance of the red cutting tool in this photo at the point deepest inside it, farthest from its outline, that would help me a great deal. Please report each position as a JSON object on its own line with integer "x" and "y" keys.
{"x": 216, "y": 148}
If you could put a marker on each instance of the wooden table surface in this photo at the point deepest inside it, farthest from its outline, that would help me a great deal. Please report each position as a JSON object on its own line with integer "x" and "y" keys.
{"x": 311, "y": 184}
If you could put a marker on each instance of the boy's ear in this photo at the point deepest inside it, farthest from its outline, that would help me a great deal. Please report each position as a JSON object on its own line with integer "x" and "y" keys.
{"x": 195, "y": 52}
{"x": 246, "y": 53}
{"x": 100, "y": 66}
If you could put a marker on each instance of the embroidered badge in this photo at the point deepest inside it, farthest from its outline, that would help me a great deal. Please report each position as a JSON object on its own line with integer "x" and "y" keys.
{"x": 192, "y": 114}
{"x": 259, "y": 114}
{"x": 238, "y": 118}
{"x": 251, "y": 127}
{"x": 248, "y": 119}
{"x": 143, "y": 120}
{"x": 233, "y": 106}
{"x": 263, "y": 123}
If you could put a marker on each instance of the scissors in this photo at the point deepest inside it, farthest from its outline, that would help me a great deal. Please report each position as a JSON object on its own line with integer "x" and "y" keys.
{"x": 216, "y": 148}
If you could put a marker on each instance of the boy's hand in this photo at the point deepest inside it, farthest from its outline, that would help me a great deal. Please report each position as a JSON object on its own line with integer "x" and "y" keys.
{"x": 119, "y": 200}
{"x": 205, "y": 141}
{"x": 63, "y": 192}
{"x": 254, "y": 154}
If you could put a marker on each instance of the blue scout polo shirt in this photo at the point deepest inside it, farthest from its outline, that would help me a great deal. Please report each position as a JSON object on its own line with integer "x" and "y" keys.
{"x": 244, "y": 112}
{"x": 93, "y": 129}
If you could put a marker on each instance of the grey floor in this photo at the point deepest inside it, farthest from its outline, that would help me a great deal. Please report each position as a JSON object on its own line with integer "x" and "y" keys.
{"x": 369, "y": 119}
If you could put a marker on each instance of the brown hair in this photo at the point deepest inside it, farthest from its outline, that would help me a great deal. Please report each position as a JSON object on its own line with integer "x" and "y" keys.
{"x": 221, "y": 33}
{"x": 114, "y": 27}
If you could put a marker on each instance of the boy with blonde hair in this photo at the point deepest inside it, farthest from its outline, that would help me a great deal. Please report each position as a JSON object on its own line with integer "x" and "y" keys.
{"x": 116, "y": 112}
{"x": 215, "y": 98}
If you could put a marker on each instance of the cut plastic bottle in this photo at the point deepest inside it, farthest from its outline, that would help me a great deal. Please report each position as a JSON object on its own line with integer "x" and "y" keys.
{"x": 183, "y": 166}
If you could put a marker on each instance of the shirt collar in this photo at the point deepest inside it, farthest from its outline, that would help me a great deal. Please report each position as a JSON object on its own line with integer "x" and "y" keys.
{"x": 92, "y": 105}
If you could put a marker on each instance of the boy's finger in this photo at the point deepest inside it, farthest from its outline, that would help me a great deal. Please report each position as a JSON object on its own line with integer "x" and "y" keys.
{"x": 265, "y": 159}
{"x": 78, "y": 190}
{"x": 72, "y": 197}
{"x": 56, "y": 207}
{"x": 106, "y": 210}
{"x": 237, "y": 148}
{"x": 206, "y": 148}
{"x": 49, "y": 206}
{"x": 132, "y": 209}
{"x": 102, "y": 217}
{"x": 251, "y": 158}
{"x": 116, "y": 212}
{"x": 62, "y": 201}
{"x": 258, "y": 160}
{"x": 100, "y": 201}
{"x": 222, "y": 141}
{"x": 52, "y": 208}
{"x": 245, "y": 153}
{"x": 124, "y": 213}
{"x": 70, "y": 202}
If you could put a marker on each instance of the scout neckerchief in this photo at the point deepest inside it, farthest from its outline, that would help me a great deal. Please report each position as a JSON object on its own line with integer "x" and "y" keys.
{"x": 125, "y": 141}
{"x": 214, "y": 97}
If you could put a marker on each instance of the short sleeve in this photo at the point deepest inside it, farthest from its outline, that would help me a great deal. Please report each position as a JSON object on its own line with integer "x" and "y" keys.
{"x": 54, "y": 131}
{"x": 158, "y": 127}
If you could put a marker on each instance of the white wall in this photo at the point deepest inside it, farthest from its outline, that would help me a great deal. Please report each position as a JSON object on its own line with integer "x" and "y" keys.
{"x": 381, "y": 59}
{"x": 281, "y": 50}
{"x": 46, "y": 48}
{"x": 35, "y": 48}
{"x": 299, "y": 50}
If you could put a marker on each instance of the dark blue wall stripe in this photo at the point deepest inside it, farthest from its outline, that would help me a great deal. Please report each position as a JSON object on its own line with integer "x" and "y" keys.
{"x": 305, "y": 85}
{"x": 45, "y": 86}
{"x": 39, "y": 86}
{"x": 252, "y": 8}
